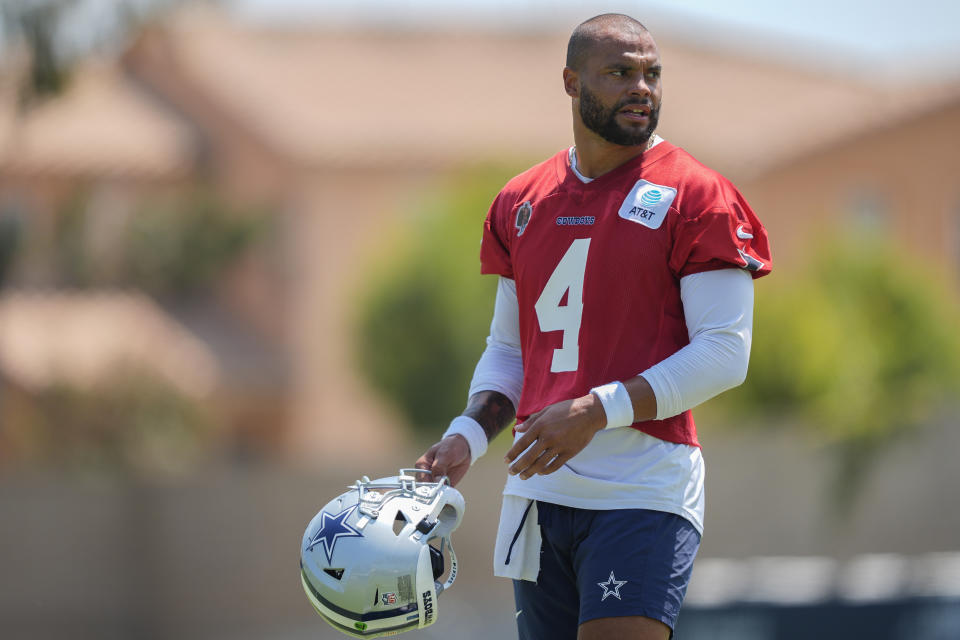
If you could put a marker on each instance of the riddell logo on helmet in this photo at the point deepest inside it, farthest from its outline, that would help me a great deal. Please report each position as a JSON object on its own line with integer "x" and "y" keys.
{"x": 427, "y": 608}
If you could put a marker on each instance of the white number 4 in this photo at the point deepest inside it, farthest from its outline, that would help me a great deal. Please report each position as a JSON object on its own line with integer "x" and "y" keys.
{"x": 567, "y": 278}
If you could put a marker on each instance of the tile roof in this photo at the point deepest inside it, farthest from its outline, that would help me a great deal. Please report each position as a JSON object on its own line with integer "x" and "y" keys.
{"x": 83, "y": 338}
{"x": 322, "y": 96}
{"x": 102, "y": 125}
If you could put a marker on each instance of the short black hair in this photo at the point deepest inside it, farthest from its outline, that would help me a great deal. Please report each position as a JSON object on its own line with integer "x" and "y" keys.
{"x": 588, "y": 33}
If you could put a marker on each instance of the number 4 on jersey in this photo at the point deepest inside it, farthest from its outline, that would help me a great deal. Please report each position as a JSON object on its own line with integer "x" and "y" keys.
{"x": 567, "y": 278}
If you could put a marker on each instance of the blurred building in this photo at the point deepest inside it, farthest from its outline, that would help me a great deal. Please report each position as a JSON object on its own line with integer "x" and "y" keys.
{"x": 80, "y": 339}
{"x": 340, "y": 132}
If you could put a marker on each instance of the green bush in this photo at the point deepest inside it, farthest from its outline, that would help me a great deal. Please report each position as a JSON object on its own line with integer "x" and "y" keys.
{"x": 863, "y": 344}
{"x": 133, "y": 423}
{"x": 184, "y": 244}
{"x": 10, "y": 233}
{"x": 177, "y": 244}
{"x": 859, "y": 349}
{"x": 424, "y": 316}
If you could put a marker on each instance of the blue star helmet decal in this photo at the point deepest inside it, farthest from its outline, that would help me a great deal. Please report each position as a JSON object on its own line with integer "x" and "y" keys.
{"x": 332, "y": 528}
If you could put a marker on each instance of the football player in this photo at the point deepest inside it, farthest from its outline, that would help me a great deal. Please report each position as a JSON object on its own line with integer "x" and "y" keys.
{"x": 625, "y": 299}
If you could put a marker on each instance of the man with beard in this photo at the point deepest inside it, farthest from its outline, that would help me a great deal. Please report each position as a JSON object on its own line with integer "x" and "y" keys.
{"x": 625, "y": 298}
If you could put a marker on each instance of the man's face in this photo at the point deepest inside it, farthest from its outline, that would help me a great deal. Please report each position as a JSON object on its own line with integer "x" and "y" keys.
{"x": 620, "y": 91}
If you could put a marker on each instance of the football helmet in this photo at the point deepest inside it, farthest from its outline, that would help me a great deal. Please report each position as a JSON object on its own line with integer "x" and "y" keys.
{"x": 371, "y": 560}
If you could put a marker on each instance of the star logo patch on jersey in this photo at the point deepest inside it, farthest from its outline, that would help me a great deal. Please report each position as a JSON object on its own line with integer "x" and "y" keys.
{"x": 611, "y": 587}
{"x": 647, "y": 204}
{"x": 523, "y": 217}
{"x": 332, "y": 528}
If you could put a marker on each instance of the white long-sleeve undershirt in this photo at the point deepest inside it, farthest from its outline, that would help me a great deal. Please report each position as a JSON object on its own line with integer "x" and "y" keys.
{"x": 718, "y": 306}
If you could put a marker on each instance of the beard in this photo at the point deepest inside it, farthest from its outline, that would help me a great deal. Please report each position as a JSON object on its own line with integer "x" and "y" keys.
{"x": 603, "y": 121}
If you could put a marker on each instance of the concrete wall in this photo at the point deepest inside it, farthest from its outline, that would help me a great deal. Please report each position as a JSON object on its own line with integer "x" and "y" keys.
{"x": 215, "y": 556}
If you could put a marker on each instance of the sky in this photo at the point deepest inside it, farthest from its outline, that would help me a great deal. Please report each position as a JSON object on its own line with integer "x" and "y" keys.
{"x": 871, "y": 27}
{"x": 870, "y": 38}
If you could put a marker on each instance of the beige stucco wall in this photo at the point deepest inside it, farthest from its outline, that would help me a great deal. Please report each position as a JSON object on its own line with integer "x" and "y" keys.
{"x": 909, "y": 173}
{"x": 341, "y": 221}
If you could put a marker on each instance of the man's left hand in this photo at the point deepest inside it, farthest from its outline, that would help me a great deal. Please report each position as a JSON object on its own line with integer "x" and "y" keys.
{"x": 555, "y": 434}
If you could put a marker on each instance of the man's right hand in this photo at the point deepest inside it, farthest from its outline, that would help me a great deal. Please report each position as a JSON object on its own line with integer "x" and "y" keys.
{"x": 450, "y": 457}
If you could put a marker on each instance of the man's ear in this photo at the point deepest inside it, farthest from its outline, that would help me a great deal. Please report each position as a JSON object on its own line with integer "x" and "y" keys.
{"x": 571, "y": 82}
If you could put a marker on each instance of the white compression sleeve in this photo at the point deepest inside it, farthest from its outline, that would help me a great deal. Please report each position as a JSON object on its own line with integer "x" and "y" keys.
{"x": 501, "y": 366}
{"x": 718, "y": 306}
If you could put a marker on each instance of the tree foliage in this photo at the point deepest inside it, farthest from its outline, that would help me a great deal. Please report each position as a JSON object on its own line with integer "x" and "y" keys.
{"x": 425, "y": 311}
{"x": 56, "y": 34}
{"x": 178, "y": 244}
{"x": 184, "y": 245}
{"x": 132, "y": 423}
{"x": 859, "y": 348}
{"x": 10, "y": 232}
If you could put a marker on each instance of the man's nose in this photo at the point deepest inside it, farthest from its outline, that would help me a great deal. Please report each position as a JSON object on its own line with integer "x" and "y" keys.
{"x": 640, "y": 88}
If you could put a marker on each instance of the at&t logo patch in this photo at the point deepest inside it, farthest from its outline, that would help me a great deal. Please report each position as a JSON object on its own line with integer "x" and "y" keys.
{"x": 647, "y": 204}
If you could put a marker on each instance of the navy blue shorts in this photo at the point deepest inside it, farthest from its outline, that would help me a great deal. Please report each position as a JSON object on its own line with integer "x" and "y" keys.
{"x": 601, "y": 564}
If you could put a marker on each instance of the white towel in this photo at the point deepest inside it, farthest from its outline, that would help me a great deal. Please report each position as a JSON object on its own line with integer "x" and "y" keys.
{"x": 518, "y": 539}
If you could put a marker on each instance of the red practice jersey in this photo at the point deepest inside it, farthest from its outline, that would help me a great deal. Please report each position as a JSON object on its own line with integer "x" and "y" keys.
{"x": 598, "y": 265}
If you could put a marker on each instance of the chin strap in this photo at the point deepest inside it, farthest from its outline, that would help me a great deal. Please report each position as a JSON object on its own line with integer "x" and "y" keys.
{"x": 453, "y": 566}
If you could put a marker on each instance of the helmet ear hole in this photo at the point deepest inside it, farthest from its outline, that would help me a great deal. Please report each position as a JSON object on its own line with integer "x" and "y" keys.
{"x": 399, "y": 522}
{"x": 336, "y": 574}
{"x": 449, "y": 519}
{"x": 448, "y": 515}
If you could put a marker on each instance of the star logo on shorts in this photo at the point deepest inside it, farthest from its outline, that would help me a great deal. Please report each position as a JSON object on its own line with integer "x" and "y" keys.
{"x": 611, "y": 587}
